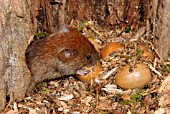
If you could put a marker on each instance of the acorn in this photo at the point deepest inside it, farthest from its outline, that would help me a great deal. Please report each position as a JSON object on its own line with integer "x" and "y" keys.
{"x": 92, "y": 74}
{"x": 146, "y": 53}
{"x": 110, "y": 48}
{"x": 137, "y": 78}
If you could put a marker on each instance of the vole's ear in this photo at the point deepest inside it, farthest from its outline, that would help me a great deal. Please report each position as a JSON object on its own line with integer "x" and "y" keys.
{"x": 66, "y": 55}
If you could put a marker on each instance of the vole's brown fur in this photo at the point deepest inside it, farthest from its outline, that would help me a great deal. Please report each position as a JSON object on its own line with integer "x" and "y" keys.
{"x": 58, "y": 55}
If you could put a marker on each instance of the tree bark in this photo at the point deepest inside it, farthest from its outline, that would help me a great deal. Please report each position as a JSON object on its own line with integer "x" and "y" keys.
{"x": 162, "y": 29}
{"x": 107, "y": 13}
{"x": 45, "y": 15}
{"x": 15, "y": 32}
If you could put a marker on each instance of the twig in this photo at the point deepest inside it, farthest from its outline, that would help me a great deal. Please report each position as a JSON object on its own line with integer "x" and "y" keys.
{"x": 154, "y": 70}
{"x": 110, "y": 72}
{"x": 92, "y": 28}
{"x": 140, "y": 33}
{"x": 156, "y": 51}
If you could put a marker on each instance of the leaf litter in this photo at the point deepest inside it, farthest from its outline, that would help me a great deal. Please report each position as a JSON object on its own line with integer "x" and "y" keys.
{"x": 101, "y": 95}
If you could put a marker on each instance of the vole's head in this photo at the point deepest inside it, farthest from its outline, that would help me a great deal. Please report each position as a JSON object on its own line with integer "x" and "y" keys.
{"x": 76, "y": 54}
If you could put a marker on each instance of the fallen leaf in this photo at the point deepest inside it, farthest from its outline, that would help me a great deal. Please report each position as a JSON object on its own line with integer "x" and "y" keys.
{"x": 66, "y": 97}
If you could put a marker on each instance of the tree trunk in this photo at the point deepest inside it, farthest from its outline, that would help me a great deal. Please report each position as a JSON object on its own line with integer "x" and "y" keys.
{"x": 162, "y": 30}
{"x": 15, "y": 32}
{"x": 107, "y": 13}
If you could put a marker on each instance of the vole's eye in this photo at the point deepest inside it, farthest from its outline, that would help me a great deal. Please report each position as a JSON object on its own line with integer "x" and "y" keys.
{"x": 88, "y": 57}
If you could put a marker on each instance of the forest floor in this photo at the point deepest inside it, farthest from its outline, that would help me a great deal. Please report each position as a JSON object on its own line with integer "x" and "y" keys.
{"x": 103, "y": 95}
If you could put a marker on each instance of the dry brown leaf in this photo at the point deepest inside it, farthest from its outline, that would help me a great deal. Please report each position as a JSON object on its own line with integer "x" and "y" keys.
{"x": 104, "y": 105}
{"x": 164, "y": 92}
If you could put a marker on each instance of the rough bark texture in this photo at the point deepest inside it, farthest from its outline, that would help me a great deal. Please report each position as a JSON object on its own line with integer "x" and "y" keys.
{"x": 163, "y": 28}
{"x": 108, "y": 13}
{"x": 15, "y": 31}
{"x": 45, "y": 15}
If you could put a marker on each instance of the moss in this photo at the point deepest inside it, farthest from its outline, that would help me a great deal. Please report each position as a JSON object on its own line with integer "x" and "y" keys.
{"x": 81, "y": 25}
{"x": 135, "y": 97}
{"x": 127, "y": 29}
{"x": 39, "y": 35}
{"x": 164, "y": 68}
{"x": 45, "y": 90}
{"x": 91, "y": 89}
{"x": 42, "y": 87}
